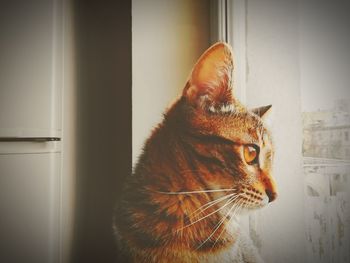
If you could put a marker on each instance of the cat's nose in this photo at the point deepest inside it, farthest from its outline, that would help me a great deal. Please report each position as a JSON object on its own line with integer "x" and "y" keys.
{"x": 271, "y": 195}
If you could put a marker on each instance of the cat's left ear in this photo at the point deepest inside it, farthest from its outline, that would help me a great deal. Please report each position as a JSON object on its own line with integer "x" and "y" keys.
{"x": 210, "y": 83}
{"x": 262, "y": 111}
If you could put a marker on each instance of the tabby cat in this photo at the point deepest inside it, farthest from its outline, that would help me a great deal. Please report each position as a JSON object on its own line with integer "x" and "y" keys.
{"x": 209, "y": 160}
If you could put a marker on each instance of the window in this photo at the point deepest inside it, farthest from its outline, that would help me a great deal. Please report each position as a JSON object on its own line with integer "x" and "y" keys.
{"x": 281, "y": 45}
{"x": 324, "y": 97}
{"x": 347, "y": 152}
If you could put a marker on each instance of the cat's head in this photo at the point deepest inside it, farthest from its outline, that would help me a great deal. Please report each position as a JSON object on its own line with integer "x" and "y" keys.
{"x": 229, "y": 143}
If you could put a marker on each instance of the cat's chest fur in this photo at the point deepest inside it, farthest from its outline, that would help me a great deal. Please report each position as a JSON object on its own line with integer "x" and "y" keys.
{"x": 242, "y": 251}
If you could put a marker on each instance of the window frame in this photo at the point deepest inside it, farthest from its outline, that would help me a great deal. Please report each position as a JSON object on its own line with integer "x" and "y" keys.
{"x": 229, "y": 24}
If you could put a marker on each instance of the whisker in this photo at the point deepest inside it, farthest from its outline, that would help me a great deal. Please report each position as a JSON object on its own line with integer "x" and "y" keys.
{"x": 196, "y": 192}
{"x": 210, "y": 204}
{"x": 240, "y": 206}
{"x": 217, "y": 210}
{"x": 237, "y": 208}
{"x": 218, "y": 225}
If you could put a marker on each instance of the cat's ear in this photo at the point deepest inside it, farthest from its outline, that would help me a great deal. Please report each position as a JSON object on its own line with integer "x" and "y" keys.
{"x": 210, "y": 83}
{"x": 261, "y": 111}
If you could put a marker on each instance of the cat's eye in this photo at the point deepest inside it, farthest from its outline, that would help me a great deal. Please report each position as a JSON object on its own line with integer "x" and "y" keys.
{"x": 251, "y": 154}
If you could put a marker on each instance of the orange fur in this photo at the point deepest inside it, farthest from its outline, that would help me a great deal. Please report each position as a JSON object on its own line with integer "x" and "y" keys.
{"x": 197, "y": 147}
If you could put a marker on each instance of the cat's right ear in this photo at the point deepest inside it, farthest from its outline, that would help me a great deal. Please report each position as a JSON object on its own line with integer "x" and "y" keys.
{"x": 210, "y": 82}
{"x": 261, "y": 111}
{"x": 264, "y": 113}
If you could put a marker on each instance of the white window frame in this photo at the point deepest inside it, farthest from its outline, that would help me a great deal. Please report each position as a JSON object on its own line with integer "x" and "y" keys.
{"x": 228, "y": 24}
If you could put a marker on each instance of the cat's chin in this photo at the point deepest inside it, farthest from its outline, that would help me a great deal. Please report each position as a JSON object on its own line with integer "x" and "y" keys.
{"x": 250, "y": 208}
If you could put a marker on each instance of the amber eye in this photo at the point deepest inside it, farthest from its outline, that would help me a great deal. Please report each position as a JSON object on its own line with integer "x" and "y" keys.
{"x": 251, "y": 153}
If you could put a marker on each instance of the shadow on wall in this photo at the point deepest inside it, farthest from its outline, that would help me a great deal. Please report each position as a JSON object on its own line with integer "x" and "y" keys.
{"x": 103, "y": 67}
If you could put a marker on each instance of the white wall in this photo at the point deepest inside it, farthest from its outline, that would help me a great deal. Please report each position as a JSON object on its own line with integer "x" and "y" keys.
{"x": 168, "y": 36}
{"x": 273, "y": 78}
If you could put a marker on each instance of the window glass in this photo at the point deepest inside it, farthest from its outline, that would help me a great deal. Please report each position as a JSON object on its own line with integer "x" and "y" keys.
{"x": 324, "y": 67}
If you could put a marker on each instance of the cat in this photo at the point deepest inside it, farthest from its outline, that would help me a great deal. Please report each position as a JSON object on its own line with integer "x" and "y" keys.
{"x": 206, "y": 162}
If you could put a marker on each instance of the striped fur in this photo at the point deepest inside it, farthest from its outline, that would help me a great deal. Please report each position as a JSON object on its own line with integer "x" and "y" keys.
{"x": 191, "y": 182}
